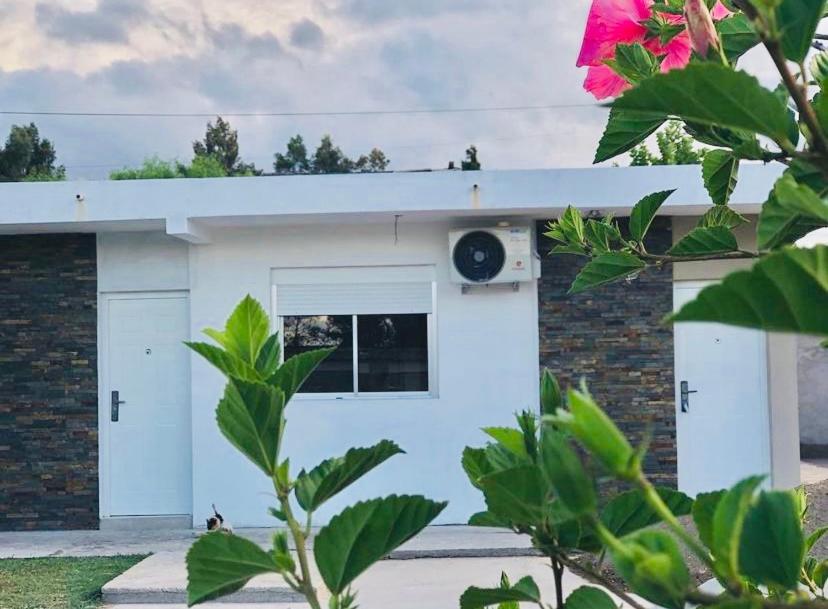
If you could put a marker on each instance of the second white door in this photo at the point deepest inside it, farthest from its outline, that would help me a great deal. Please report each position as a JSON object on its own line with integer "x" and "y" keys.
{"x": 722, "y": 417}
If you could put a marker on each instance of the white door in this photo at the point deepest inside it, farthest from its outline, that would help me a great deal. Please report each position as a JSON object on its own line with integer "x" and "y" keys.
{"x": 722, "y": 418}
{"x": 149, "y": 447}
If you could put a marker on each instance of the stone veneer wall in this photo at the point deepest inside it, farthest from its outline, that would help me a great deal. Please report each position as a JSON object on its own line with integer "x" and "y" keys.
{"x": 612, "y": 335}
{"x": 48, "y": 382}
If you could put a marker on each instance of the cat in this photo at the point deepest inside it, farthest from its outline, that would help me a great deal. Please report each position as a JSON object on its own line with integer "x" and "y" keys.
{"x": 216, "y": 522}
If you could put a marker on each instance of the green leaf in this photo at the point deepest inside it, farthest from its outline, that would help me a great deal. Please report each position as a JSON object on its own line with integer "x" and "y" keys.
{"x": 524, "y": 590}
{"x": 819, "y": 67}
{"x": 786, "y": 291}
{"x": 772, "y": 546}
{"x": 606, "y": 268}
{"x": 597, "y": 433}
{"x": 219, "y": 563}
{"x": 325, "y": 480}
{"x": 269, "y": 357}
{"x": 601, "y": 235}
{"x": 629, "y": 511}
{"x": 643, "y": 213}
{"x": 633, "y": 62}
{"x": 821, "y": 573}
{"x": 295, "y": 371}
{"x": 230, "y": 365}
{"x": 510, "y": 439}
{"x": 251, "y": 417}
{"x": 652, "y": 564}
{"x": 625, "y": 130}
{"x": 720, "y": 170}
{"x": 737, "y": 36}
{"x": 704, "y": 241}
{"x": 798, "y": 20}
{"x": 721, "y": 215}
{"x": 800, "y": 199}
{"x": 814, "y": 537}
{"x": 550, "y": 393}
{"x": 366, "y": 532}
{"x": 517, "y": 495}
{"x": 744, "y": 144}
{"x": 727, "y": 523}
{"x": 704, "y": 507}
{"x": 779, "y": 225}
{"x": 476, "y": 465}
{"x": 487, "y": 519}
{"x": 791, "y": 210}
{"x": 710, "y": 94}
{"x": 588, "y": 597}
{"x": 246, "y": 331}
{"x": 571, "y": 225}
{"x": 563, "y": 469}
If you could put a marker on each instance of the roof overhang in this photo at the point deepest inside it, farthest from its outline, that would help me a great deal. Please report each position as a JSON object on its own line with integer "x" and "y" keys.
{"x": 192, "y": 209}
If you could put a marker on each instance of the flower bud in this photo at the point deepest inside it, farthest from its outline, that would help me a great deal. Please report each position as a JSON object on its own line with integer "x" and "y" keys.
{"x": 700, "y": 26}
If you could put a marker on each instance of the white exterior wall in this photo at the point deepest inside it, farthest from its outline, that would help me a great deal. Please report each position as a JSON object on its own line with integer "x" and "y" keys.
{"x": 486, "y": 359}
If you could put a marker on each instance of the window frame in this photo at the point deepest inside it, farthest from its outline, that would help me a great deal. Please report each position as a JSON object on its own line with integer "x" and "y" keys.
{"x": 431, "y": 338}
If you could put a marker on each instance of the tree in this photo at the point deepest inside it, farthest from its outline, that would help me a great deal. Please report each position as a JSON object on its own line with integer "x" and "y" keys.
{"x": 222, "y": 142}
{"x": 27, "y": 158}
{"x": 295, "y": 160}
{"x": 675, "y": 147}
{"x": 328, "y": 158}
{"x": 154, "y": 168}
{"x": 471, "y": 163}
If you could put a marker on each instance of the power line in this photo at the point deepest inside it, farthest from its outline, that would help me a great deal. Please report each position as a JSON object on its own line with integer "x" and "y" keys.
{"x": 297, "y": 114}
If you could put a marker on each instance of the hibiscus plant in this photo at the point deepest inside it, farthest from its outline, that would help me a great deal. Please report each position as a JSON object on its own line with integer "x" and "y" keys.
{"x": 251, "y": 415}
{"x": 536, "y": 482}
{"x": 679, "y": 60}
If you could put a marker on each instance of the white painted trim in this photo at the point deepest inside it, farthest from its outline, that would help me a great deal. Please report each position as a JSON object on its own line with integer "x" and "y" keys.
{"x": 104, "y": 469}
{"x": 111, "y": 206}
{"x": 433, "y": 392}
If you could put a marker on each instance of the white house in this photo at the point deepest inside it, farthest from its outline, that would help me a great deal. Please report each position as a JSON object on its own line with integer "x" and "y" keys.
{"x": 100, "y": 282}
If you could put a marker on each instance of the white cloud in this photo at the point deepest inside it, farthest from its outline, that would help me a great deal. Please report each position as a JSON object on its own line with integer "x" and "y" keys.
{"x": 214, "y": 56}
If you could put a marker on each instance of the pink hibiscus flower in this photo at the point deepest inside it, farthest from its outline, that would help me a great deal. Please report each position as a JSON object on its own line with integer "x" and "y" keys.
{"x": 613, "y": 22}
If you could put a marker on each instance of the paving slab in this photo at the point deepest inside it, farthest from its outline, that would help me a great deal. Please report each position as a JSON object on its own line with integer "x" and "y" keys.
{"x": 435, "y": 541}
{"x": 434, "y": 583}
{"x": 162, "y": 578}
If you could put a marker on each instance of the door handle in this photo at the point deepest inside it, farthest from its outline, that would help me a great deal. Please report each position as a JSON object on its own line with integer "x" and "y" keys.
{"x": 115, "y": 406}
{"x": 685, "y": 392}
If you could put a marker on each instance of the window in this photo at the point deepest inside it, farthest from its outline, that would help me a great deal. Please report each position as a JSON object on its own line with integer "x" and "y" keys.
{"x": 380, "y": 319}
{"x": 306, "y": 333}
{"x": 374, "y": 353}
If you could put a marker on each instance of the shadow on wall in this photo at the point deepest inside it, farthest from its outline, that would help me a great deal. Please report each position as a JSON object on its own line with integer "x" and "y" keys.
{"x": 813, "y": 398}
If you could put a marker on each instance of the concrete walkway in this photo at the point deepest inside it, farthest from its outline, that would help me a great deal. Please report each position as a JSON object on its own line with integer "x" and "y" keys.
{"x": 436, "y": 541}
{"x": 812, "y": 471}
{"x": 435, "y": 583}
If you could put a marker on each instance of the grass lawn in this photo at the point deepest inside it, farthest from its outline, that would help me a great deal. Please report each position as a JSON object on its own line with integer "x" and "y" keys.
{"x": 58, "y": 583}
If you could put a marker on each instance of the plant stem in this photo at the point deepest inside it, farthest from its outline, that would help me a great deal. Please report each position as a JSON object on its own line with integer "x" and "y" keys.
{"x": 558, "y": 571}
{"x": 299, "y": 539}
{"x": 597, "y": 578}
{"x": 655, "y": 501}
{"x": 799, "y": 94}
{"x": 662, "y": 259}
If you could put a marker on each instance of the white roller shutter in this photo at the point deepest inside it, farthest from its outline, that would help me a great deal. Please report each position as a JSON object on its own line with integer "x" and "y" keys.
{"x": 353, "y": 290}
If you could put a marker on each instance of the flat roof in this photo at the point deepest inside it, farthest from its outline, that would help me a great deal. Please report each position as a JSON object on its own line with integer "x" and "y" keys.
{"x": 191, "y": 208}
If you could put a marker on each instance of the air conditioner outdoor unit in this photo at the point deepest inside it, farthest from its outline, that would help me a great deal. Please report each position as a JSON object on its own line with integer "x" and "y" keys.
{"x": 501, "y": 254}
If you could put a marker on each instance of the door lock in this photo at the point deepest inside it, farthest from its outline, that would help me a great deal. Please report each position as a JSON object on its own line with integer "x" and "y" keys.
{"x": 115, "y": 406}
{"x": 685, "y": 392}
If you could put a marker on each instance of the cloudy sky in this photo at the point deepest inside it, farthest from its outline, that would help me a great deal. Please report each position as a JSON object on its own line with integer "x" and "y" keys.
{"x": 227, "y": 56}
